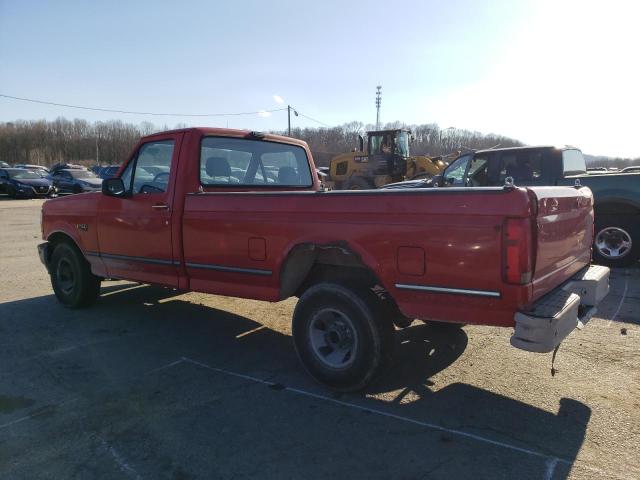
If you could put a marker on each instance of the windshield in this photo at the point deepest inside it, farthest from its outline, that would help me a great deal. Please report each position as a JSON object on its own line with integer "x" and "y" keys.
{"x": 82, "y": 174}
{"x": 23, "y": 175}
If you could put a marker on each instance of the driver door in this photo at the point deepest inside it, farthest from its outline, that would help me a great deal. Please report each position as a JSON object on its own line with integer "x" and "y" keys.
{"x": 134, "y": 232}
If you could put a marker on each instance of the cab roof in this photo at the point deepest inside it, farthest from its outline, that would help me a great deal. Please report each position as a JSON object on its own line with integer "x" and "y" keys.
{"x": 528, "y": 147}
{"x": 231, "y": 132}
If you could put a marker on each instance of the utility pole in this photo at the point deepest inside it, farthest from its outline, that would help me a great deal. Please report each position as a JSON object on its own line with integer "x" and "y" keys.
{"x": 289, "y": 110}
{"x": 378, "y": 102}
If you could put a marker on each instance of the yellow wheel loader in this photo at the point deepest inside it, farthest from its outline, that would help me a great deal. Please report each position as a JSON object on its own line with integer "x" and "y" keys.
{"x": 386, "y": 160}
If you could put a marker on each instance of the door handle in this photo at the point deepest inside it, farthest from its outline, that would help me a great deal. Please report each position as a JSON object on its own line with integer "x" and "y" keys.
{"x": 160, "y": 206}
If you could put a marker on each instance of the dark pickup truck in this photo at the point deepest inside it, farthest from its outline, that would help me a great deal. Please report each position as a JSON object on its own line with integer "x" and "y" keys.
{"x": 616, "y": 195}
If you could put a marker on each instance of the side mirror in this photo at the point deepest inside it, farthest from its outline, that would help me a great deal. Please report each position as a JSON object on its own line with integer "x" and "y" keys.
{"x": 113, "y": 187}
{"x": 437, "y": 180}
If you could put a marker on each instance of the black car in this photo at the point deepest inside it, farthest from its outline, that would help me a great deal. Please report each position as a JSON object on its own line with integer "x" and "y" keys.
{"x": 40, "y": 170}
{"x": 76, "y": 181}
{"x": 20, "y": 182}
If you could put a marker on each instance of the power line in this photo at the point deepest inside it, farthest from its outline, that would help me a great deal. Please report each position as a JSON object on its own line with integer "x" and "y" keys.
{"x": 313, "y": 119}
{"x": 43, "y": 102}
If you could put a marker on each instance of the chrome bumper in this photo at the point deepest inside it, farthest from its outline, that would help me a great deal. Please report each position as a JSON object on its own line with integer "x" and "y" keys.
{"x": 558, "y": 313}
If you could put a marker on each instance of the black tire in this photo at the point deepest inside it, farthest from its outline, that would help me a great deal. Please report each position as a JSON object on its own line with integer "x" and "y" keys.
{"x": 610, "y": 234}
{"x": 358, "y": 183}
{"x": 73, "y": 283}
{"x": 357, "y": 318}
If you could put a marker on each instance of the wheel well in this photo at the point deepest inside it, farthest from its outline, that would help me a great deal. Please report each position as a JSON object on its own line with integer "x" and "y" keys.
{"x": 309, "y": 264}
{"x": 57, "y": 238}
{"x": 616, "y": 208}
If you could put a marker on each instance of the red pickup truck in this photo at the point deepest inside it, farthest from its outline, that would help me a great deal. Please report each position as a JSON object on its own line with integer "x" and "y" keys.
{"x": 243, "y": 214}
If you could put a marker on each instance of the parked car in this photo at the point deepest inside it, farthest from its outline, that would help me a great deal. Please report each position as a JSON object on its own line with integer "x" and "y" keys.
{"x": 632, "y": 169}
{"x": 4, "y": 165}
{"x": 20, "y": 182}
{"x": 359, "y": 261}
{"x": 65, "y": 166}
{"x": 76, "y": 181}
{"x": 39, "y": 169}
{"x": 617, "y": 194}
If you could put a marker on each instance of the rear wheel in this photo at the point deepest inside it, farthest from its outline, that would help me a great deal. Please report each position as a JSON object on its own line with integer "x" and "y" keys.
{"x": 616, "y": 243}
{"x": 73, "y": 283}
{"x": 340, "y": 336}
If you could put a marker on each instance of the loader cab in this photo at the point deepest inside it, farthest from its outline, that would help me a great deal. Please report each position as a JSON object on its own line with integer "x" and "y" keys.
{"x": 388, "y": 151}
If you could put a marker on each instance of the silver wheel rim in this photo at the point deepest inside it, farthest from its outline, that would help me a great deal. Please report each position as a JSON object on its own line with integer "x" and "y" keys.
{"x": 333, "y": 338}
{"x": 613, "y": 242}
{"x": 65, "y": 276}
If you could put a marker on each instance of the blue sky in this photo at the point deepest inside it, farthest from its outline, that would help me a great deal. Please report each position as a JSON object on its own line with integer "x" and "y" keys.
{"x": 541, "y": 71}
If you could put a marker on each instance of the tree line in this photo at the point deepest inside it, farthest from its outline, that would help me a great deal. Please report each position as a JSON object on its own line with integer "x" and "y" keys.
{"x": 79, "y": 141}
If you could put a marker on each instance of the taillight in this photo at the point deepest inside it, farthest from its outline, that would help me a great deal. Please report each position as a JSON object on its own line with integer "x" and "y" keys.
{"x": 517, "y": 251}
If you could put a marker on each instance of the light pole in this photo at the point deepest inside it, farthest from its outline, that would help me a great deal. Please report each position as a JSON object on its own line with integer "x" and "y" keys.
{"x": 289, "y": 109}
{"x": 378, "y": 102}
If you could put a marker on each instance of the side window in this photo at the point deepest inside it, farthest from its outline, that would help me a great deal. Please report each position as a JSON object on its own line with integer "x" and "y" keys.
{"x": 454, "y": 175}
{"x": 235, "y": 162}
{"x": 4, "y": 175}
{"x": 524, "y": 166}
{"x": 573, "y": 162}
{"x": 151, "y": 168}
{"x": 477, "y": 174}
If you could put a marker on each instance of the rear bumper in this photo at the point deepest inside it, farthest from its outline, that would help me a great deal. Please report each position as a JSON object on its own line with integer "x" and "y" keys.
{"x": 558, "y": 313}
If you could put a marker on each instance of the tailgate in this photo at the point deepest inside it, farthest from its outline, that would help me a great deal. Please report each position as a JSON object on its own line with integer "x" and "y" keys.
{"x": 564, "y": 235}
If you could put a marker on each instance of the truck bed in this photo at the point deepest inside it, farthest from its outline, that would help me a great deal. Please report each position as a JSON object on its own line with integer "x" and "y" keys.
{"x": 439, "y": 252}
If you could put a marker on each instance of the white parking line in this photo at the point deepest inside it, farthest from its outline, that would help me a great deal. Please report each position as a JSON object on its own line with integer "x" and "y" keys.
{"x": 551, "y": 468}
{"x": 120, "y": 461}
{"x": 553, "y": 460}
{"x": 37, "y": 413}
{"x": 624, "y": 295}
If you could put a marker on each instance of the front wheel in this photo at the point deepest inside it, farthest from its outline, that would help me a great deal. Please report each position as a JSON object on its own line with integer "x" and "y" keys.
{"x": 340, "y": 336}
{"x": 71, "y": 278}
{"x": 616, "y": 243}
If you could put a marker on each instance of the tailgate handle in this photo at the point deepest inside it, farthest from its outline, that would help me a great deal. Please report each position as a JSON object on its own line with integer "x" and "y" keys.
{"x": 160, "y": 206}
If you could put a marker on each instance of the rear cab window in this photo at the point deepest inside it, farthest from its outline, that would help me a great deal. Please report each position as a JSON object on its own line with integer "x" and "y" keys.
{"x": 573, "y": 163}
{"x": 238, "y": 162}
